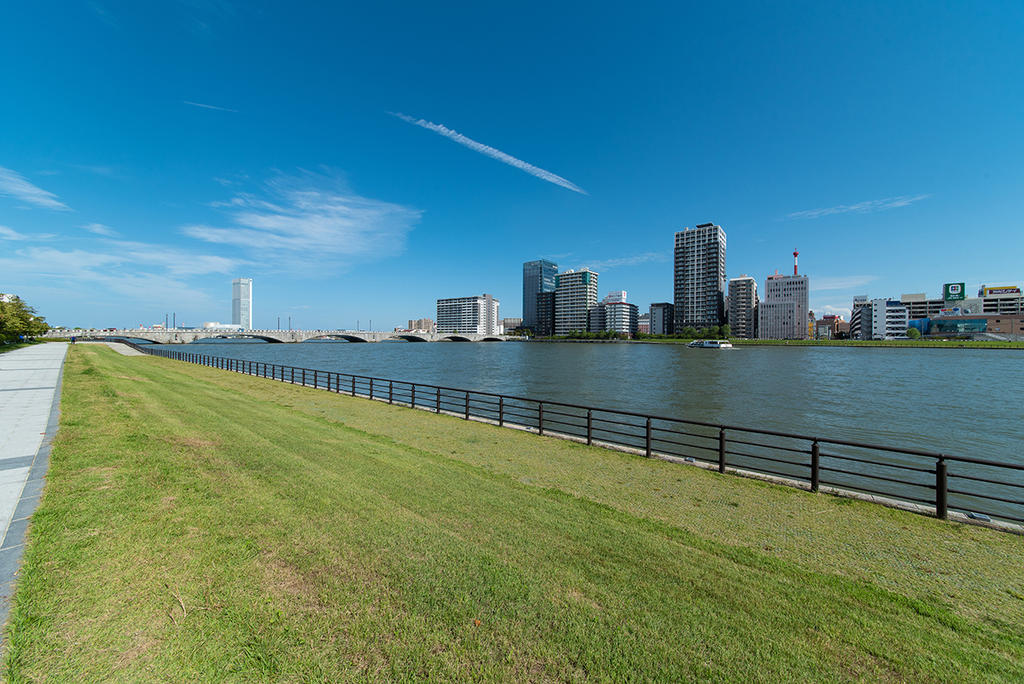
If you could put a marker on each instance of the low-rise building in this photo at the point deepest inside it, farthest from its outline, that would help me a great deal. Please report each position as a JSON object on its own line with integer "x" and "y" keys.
{"x": 510, "y": 324}
{"x": 878, "y": 319}
{"x": 643, "y": 323}
{"x": 614, "y": 314}
{"x": 422, "y": 325}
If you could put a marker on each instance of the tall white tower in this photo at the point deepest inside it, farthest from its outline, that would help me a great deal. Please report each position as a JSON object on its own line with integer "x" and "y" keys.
{"x": 241, "y": 302}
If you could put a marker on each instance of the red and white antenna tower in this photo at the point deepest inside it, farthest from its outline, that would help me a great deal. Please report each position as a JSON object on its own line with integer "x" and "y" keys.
{"x": 795, "y": 255}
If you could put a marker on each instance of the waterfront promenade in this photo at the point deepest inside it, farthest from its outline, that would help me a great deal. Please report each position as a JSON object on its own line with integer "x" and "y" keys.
{"x": 29, "y": 398}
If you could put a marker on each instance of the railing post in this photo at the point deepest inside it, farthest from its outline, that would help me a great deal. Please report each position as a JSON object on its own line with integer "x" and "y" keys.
{"x": 501, "y": 411}
{"x": 648, "y": 445}
{"x": 721, "y": 449}
{"x": 815, "y": 466}
{"x": 371, "y": 388}
{"x": 303, "y": 377}
{"x": 391, "y": 391}
{"x": 412, "y": 397}
{"x": 293, "y": 375}
{"x": 316, "y": 379}
{"x": 438, "y": 405}
{"x": 540, "y": 417}
{"x": 941, "y": 503}
{"x": 353, "y": 385}
{"x": 590, "y": 427}
{"x": 467, "y": 405}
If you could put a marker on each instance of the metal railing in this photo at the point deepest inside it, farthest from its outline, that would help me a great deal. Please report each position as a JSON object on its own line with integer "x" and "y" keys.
{"x": 939, "y": 482}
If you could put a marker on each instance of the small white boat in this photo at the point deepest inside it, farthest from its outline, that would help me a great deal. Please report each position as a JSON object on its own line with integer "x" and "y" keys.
{"x": 710, "y": 344}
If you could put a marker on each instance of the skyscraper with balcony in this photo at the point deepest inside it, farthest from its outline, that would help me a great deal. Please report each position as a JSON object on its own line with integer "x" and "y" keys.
{"x": 538, "y": 276}
{"x": 241, "y": 302}
{"x": 575, "y": 295}
{"x": 699, "y": 276}
{"x": 743, "y": 306}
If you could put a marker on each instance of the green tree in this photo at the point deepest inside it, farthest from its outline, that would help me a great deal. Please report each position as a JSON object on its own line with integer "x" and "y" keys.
{"x": 913, "y": 333}
{"x": 726, "y": 330}
{"x": 689, "y": 332}
{"x": 18, "y": 319}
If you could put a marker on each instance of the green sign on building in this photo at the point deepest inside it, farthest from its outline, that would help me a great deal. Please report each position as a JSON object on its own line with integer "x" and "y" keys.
{"x": 954, "y": 291}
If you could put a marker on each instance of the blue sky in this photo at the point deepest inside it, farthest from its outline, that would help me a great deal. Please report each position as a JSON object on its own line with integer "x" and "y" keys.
{"x": 151, "y": 152}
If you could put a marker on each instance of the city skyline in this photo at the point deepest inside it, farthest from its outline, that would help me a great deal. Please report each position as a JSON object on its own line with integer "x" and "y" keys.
{"x": 355, "y": 192}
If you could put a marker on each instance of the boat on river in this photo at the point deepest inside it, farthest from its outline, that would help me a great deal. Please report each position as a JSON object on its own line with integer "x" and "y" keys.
{"x": 710, "y": 344}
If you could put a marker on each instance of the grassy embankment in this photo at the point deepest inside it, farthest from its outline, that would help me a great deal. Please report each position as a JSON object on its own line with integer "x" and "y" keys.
{"x": 199, "y": 524}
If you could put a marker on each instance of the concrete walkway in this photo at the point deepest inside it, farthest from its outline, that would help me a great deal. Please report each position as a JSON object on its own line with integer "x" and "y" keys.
{"x": 29, "y": 402}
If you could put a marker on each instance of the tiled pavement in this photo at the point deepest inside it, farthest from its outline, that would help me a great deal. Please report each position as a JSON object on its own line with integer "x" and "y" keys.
{"x": 29, "y": 401}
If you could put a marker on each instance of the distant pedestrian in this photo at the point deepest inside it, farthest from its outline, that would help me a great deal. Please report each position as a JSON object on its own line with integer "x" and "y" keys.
{"x": 72, "y": 339}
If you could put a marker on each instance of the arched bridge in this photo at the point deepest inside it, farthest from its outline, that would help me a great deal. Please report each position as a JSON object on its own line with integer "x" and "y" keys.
{"x": 187, "y": 336}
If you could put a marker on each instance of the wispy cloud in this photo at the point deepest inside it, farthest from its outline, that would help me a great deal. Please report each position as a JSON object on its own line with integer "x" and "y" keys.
{"x": 13, "y": 184}
{"x": 11, "y": 234}
{"x": 99, "y": 229}
{"x": 311, "y": 219}
{"x": 867, "y": 207}
{"x": 851, "y": 282}
{"x": 492, "y": 152}
{"x": 210, "y": 106}
{"x": 635, "y": 260}
{"x": 144, "y": 277}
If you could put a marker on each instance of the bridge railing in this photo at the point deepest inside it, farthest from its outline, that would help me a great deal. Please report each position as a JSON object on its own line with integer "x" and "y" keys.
{"x": 936, "y": 482}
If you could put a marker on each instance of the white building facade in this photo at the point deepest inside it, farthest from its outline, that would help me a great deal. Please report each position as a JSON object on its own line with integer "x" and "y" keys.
{"x": 477, "y": 314}
{"x": 782, "y": 315}
{"x": 575, "y": 296}
{"x": 241, "y": 303}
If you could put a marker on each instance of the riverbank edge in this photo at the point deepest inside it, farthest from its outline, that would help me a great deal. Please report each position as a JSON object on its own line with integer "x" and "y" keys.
{"x": 888, "y": 502}
{"x": 845, "y": 344}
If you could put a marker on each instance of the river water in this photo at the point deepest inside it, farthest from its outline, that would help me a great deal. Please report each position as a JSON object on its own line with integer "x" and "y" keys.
{"x": 955, "y": 401}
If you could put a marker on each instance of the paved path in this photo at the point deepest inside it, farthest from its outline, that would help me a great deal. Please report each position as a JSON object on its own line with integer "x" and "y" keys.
{"x": 29, "y": 401}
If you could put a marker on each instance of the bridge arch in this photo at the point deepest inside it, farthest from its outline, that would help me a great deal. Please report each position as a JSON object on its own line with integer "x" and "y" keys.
{"x": 230, "y": 336}
{"x": 406, "y": 338}
{"x": 491, "y": 339}
{"x": 337, "y": 336}
{"x": 455, "y": 338}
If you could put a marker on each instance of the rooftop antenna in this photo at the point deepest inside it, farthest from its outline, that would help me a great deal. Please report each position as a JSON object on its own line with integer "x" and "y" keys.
{"x": 795, "y": 255}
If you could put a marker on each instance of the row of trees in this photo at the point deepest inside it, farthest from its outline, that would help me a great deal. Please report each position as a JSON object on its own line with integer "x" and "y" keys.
{"x": 691, "y": 333}
{"x": 19, "y": 321}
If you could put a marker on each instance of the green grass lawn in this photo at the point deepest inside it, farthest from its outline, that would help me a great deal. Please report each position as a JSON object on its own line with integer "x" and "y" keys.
{"x": 199, "y": 524}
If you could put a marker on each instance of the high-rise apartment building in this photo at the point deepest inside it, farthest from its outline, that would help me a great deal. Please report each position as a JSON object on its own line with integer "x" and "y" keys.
{"x": 538, "y": 276}
{"x": 663, "y": 318}
{"x": 743, "y": 307}
{"x": 241, "y": 302}
{"x": 699, "y": 276}
{"x": 575, "y": 295}
{"x": 478, "y": 314}
{"x": 545, "y": 326}
{"x": 782, "y": 314}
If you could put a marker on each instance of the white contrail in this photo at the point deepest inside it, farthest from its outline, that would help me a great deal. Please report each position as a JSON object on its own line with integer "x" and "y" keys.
{"x": 208, "y": 106}
{"x": 491, "y": 152}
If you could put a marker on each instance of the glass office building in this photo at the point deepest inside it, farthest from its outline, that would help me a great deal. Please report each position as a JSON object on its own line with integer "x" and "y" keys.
{"x": 538, "y": 276}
